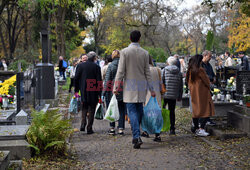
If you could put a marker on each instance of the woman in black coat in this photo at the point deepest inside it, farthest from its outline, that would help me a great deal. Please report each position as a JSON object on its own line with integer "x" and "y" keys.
{"x": 88, "y": 81}
{"x": 107, "y": 93}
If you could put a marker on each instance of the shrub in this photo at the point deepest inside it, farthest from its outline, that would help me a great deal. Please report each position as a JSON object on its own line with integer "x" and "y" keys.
{"x": 48, "y": 132}
{"x": 14, "y": 66}
{"x": 157, "y": 53}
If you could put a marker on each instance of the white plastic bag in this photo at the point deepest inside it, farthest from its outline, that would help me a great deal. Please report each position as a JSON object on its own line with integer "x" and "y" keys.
{"x": 112, "y": 113}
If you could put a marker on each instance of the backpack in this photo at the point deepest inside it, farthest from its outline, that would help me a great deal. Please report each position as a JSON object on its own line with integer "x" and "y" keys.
{"x": 64, "y": 64}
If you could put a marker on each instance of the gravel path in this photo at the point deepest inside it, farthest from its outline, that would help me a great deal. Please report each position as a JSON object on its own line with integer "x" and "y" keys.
{"x": 183, "y": 151}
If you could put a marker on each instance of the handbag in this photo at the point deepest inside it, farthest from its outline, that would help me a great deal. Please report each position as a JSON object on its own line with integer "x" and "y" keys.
{"x": 163, "y": 88}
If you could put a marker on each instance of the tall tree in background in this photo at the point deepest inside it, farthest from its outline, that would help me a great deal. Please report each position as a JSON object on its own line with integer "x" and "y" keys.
{"x": 210, "y": 40}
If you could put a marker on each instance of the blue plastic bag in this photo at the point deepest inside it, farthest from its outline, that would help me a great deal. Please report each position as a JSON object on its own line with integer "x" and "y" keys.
{"x": 73, "y": 105}
{"x": 152, "y": 121}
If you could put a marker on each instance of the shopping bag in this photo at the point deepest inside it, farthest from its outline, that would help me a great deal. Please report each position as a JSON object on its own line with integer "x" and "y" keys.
{"x": 166, "y": 120}
{"x": 99, "y": 111}
{"x": 152, "y": 121}
{"x": 73, "y": 105}
{"x": 112, "y": 113}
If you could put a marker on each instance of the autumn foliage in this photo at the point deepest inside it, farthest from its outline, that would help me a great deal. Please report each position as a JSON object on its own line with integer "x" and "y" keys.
{"x": 239, "y": 33}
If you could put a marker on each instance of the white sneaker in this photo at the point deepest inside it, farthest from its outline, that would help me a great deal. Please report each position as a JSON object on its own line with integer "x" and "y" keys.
{"x": 201, "y": 132}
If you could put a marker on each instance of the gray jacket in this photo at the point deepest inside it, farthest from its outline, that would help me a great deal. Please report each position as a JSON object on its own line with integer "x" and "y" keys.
{"x": 173, "y": 82}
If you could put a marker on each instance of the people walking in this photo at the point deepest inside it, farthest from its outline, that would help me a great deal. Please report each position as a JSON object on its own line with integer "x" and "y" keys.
{"x": 88, "y": 81}
{"x": 72, "y": 75}
{"x": 229, "y": 61}
{"x": 62, "y": 67}
{"x": 201, "y": 100}
{"x": 156, "y": 78}
{"x": 105, "y": 67}
{"x": 244, "y": 61}
{"x": 107, "y": 92}
{"x": 133, "y": 70}
{"x": 172, "y": 78}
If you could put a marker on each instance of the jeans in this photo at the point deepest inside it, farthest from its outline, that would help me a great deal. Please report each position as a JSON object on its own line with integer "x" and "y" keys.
{"x": 122, "y": 110}
{"x": 202, "y": 121}
{"x": 171, "y": 106}
{"x": 62, "y": 73}
{"x": 135, "y": 113}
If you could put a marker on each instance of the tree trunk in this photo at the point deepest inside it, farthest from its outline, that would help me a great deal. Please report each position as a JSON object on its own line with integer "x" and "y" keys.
{"x": 3, "y": 43}
{"x": 60, "y": 31}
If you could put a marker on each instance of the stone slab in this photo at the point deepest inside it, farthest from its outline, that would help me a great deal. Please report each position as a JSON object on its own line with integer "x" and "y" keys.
{"x": 16, "y": 164}
{"x": 19, "y": 149}
{"x": 239, "y": 121}
{"x": 224, "y": 134}
{"x": 221, "y": 108}
{"x": 13, "y": 132}
{"x": 6, "y": 114}
{"x": 5, "y": 160}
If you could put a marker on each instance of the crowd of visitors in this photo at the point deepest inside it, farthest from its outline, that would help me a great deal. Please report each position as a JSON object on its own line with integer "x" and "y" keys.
{"x": 132, "y": 76}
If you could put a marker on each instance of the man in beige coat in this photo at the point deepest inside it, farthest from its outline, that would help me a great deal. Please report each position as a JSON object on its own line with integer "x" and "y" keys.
{"x": 133, "y": 70}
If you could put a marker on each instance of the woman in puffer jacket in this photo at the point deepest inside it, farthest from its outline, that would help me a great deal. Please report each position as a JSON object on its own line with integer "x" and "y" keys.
{"x": 172, "y": 78}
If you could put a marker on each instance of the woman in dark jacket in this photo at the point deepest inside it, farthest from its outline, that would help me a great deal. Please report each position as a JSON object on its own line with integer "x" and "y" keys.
{"x": 172, "y": 78}
{"x": 107, "y": 93}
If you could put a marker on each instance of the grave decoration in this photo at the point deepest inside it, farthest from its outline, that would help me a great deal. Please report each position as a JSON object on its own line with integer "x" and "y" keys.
{"x": 231, "y": 84}
{"x": 7, "y": 92}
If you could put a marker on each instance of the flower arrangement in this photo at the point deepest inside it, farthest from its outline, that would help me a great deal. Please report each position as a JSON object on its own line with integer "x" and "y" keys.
{"x": 216, "y": 91}
{"x": 7, "y": 89}
{"x": 231, "y": 82}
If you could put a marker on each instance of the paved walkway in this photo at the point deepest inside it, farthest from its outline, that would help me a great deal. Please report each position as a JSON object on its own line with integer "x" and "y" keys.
{"x": 183, "y": 151}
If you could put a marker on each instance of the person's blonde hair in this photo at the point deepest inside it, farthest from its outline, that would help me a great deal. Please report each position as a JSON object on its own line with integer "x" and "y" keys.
{"x": 115, "y": 54}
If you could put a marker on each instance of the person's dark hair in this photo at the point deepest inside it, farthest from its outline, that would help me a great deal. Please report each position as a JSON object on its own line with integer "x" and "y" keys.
{"x": 135, "y": 36}
{"x": 228, "y": 53}
{"x": 91, "y": 56}
{"x": 151, "y": 60}
{"x": 108, "y": 59}
{"x": 194, "y": 65}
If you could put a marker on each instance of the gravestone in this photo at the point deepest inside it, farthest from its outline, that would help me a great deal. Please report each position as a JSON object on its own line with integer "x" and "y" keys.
{"x": 220, "y": 76}
{"x": 230, "y": 72}
{"x": 21, "y": 118}
{"x": 243, "y": 77}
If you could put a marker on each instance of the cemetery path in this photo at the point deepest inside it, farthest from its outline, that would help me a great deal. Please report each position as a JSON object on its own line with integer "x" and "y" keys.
{"x": 183, "y": 151}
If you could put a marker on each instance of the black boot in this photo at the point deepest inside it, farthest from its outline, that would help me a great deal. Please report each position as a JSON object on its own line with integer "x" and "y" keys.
{"x": 137, "y": 143}
{"x": 82, "y": 127}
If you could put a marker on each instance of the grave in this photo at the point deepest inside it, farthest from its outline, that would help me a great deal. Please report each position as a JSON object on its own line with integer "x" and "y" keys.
{"x": 243, "y": 77}
{"x": 13, "y": 132}
{"x": 239, "y": 117}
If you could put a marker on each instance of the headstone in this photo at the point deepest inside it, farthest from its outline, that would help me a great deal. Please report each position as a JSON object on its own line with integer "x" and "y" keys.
{"x": 243, "y": 77}
{"x": 21, "y": 118}
{"x": 230, "y": 72}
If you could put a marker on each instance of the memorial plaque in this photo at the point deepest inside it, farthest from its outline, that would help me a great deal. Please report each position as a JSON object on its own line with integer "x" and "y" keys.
{"x": 243, "y": 77}
{"x": 230, "y": 72}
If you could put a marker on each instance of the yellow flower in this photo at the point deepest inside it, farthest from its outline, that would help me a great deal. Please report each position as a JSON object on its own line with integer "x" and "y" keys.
{"x": 216, "y": 90}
